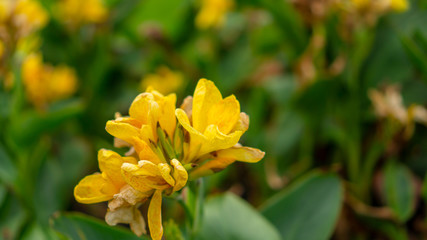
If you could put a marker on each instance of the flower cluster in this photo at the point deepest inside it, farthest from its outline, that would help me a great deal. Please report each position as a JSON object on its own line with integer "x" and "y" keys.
{"x": 168, "y": 147}
{"x": 45, "y": 83}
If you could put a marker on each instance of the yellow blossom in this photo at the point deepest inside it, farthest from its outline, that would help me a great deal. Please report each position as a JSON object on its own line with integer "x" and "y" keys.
{"x": 23, "y": 17}
{"x": 212, "y": 13}
{"x": 1, "y": 49}
{"x": 45, "y": 83}
{"x": 77, "y": 12}
{"x": 164, "y": 80}
{"x": 399, "y": 5}
{"x": 203, "y": 141}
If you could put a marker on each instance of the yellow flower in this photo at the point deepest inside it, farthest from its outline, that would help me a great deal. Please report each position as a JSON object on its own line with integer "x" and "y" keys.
{"x": 30, "y": 12}
{"x": 164, "y": 80}
{"x": 44, "y": 83}
{"x": 78, "y": 12}
{"x": 399, "y": 5}
{"x": 212, "y": 13}
{"x": 168, "y": 152}
{"x": 1, "y": 49}
{"x": 380, "y": 7}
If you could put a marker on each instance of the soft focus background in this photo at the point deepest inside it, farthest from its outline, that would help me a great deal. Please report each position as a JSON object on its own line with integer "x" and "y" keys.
{"x": 335, "y": 91}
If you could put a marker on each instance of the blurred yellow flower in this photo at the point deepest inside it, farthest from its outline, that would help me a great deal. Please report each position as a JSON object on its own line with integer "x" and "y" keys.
{"x": 1, "y": 49}
{"x": 44, "y": 83}
{"x": 165, "y": 153}
{"x": 164, "y": 80}
{"x": 22, "y": 16}
{"x": 399, "y": 5}
{"x": 378, "y": 7}
{"x": 78, "y": 12}
{"x": 212, "y": 13}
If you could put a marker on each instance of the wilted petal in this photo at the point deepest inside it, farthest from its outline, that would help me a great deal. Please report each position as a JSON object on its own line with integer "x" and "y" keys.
{"x": 93, "y": 189}
{"x": 187, "y": 106}
{"x": 155, "y": 216}
{"x": 242, "y": 124}
{"x": 128, "y": 196}
{"x": 129, "y": 215}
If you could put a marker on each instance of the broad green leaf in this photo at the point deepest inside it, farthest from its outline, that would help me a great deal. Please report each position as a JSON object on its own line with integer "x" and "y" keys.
{"x": 78, "y": 226}
{"x": 229, "y": 217}
{"x": 308, "y": 209}
{"x": 399, "y": 190}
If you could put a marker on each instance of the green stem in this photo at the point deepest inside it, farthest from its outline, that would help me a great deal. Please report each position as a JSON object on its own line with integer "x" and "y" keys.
{"x": 195, "y": 199}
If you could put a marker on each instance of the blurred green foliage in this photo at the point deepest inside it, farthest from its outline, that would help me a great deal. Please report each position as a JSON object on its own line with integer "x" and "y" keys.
{"x": 302, "y": 70}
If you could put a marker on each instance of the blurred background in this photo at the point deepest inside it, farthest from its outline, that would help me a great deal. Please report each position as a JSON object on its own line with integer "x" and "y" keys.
{"x": 335, "y": 91}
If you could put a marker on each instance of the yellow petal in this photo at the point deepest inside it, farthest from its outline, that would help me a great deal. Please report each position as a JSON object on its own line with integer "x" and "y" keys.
{"x": 93, "y": 189}
{"x": 123, "y": 131}
{"x": 144, "y": 108}
{"x": 143, "y": 178}
{"x": 155, "y": 216}
{"x": 144, "y": 151}
{"x": 179, "y": 174}
{"x": 196, "y": 138}
{"x": 110, "y": 163}
{"x": 243, "y": 154}
{"x": 211, "y": 140}
{"x": 205, "y": 97}
{"x": 165, "y": 171}
{"x": 215, "y": 140}
{"x": 224, "y": 114}
{"x": 167, "y": 118}
{"x": 211, "y": 167}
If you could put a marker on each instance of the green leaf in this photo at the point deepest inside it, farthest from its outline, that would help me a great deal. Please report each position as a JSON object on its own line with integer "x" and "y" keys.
{"x": 308, "y": 209}
{"x": 399, "y": 190}
{"x": 31, "y": 124}
{"x": 416, "y": 55}
{"x": 7, "y": 168}
{"x": 79, "y": 226}
{"x": 229, "y": 217}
